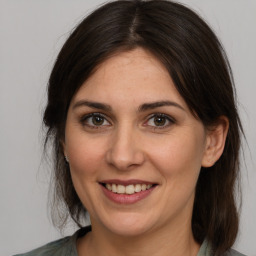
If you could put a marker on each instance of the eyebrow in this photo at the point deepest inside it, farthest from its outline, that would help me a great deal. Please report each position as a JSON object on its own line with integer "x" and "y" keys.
{"x": 92, "y": 104}
{"x": 157, "y": 104}
{"x": 143, "y": 107}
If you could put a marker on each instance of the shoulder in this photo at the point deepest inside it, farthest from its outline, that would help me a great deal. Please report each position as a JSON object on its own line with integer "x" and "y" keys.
{"x": 232, "y": 252}
{"x": 206, "y": 250}
{"x": 54, "y": 248}
{"x": 62, "y": 247}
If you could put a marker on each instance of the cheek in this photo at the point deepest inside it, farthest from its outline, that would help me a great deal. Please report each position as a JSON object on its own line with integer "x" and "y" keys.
{"x": 179, "y": 154}
{"x": 85, "y": 160}
{"x": 85, "y": 155}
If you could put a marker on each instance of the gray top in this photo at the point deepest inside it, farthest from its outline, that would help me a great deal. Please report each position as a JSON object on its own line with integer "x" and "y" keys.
{"x": 67, "y": 247}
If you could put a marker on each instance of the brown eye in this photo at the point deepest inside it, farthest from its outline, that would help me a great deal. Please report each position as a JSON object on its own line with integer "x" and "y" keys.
{"x": 159, "y": 120}
{"x": 97, "y": 120}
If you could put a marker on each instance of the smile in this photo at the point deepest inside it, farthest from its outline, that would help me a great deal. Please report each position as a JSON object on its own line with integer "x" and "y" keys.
{"x": 129, "y": 189}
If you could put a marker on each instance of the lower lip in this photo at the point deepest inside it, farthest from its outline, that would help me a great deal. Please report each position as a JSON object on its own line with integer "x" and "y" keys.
{"x": 125, "y": 198}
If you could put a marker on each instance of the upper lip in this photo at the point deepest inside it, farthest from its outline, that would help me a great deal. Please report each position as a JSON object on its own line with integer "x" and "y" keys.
{"x": 126, "y": 182}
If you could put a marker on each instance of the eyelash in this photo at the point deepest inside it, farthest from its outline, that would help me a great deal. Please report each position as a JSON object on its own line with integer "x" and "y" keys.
{"x": 161, "y": 115}
{"x": 84, "y": 120}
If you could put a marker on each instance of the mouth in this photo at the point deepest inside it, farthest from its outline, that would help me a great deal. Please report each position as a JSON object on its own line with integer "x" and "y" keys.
{"x": 127, "y": 191}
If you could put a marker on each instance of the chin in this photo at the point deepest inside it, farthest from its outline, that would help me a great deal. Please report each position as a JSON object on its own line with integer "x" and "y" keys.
{"x": 129, "y": 224}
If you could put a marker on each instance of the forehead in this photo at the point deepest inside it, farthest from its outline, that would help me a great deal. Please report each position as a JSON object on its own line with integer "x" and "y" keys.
{"x": 131, "y": 76}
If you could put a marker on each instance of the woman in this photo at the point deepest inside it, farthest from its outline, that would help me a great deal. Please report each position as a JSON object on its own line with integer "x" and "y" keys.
{"x": 142, "y": 115}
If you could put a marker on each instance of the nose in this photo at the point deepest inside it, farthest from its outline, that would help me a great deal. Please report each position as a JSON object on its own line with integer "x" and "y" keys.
{"x": 125, "y": 151}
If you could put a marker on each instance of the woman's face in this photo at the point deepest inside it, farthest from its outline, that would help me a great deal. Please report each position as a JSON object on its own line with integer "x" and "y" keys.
{"x": 134, "y": 148}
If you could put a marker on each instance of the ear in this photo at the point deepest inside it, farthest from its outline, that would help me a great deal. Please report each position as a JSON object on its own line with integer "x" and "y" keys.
{"x": 64, "y": 150}
{"x": 215, "y": 142}
{"x": 63, "y": 145}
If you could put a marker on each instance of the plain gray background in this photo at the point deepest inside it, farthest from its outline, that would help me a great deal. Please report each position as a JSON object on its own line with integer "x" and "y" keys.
{"x": 31, "y": 34}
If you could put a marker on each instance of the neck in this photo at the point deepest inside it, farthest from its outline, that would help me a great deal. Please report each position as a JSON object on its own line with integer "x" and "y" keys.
{"x": 177, "y": 241}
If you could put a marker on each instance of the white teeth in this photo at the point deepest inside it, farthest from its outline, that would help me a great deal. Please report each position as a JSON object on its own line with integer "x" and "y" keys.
{"x": 114, "y": 188}
{"x": 137, "y": 188}
{"x": 143, "y": 187}
{"x": 120, "y": 189}
{"x": 129, "y": 189}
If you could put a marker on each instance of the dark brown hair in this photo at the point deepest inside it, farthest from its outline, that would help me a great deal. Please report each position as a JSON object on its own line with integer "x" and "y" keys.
{"x": 198, "y": 65}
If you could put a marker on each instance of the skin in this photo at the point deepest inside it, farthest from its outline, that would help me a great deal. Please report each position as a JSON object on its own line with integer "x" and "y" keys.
{"x": 129, "y": 145}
